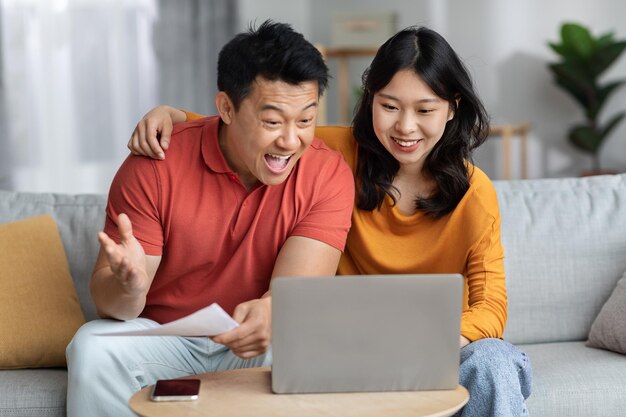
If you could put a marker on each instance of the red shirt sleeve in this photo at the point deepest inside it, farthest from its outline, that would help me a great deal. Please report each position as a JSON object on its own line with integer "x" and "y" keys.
{"x": 329, "y": 218}
{"x": 135, "y": 191}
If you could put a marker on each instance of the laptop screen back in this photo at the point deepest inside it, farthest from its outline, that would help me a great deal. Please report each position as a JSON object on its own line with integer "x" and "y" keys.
{"x": 366, "y": 333}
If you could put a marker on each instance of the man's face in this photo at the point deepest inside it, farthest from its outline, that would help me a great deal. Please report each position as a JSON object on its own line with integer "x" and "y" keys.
{"x": 271, "y": 130}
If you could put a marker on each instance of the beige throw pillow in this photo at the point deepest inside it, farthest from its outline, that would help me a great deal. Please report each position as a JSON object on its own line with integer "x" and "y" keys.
{"x": 39, "y": 308}
{"x": 608, "y": 330}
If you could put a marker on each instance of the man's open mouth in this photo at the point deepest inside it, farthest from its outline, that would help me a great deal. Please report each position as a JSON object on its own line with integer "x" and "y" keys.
{"x": 277, "y": 163}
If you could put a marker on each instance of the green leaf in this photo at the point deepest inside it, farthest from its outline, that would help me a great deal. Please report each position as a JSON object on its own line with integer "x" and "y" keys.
{"x": 612, "y": 124}
{"x": 605, "y": 91}
{"x": 586, "y": 138}
{"x": 576, "y": 38}
{"x": 558, "y": 48}
{"x": 574, "y": 73}
{"x": 575, "y": 81}
{"x": 602, "y": 95}
{"x": 604, "y": 40}
{"x": 605, "y": 56}
{"x": 580, "y": 95}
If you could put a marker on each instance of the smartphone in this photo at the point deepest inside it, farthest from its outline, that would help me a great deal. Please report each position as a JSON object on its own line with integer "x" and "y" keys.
{"x": 176, "y": 390}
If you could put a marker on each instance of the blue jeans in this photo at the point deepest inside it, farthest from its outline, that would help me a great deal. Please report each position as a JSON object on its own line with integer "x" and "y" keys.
{"x": 105, "y": 371}
{"x": 498, "y": 377}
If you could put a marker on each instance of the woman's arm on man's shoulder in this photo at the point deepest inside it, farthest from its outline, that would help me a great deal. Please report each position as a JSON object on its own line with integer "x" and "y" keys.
{"x": 152, "y": 134}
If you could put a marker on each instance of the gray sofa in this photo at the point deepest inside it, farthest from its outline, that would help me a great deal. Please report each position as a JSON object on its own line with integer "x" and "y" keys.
{"x": 565, "y": 245}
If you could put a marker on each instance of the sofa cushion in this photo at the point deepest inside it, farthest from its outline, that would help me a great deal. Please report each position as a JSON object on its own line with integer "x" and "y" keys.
{"x": 608, "y": 330}
{"x": 570, "y": 379}
{"x": 38, "y": 303}
{"x": 78, "y": 217}
{"x": 565, "y": 249}
{"x": 33, "y": 392}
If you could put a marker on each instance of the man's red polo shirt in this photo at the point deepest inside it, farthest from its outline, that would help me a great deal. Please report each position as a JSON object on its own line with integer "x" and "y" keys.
{"x": 218, "y": 241}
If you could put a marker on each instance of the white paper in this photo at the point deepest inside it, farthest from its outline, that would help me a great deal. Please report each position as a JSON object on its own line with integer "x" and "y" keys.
{"x": 209, "y": 321}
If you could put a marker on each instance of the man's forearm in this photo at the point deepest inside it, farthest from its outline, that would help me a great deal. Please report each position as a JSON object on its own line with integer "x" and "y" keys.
{"x": 111, "y": 299}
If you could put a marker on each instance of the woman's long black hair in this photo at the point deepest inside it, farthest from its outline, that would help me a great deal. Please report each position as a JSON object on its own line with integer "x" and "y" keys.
{"x": 430, "y": 56}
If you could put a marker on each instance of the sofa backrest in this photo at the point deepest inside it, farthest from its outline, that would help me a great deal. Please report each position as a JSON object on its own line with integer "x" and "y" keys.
{"x": 565, "y": 249}
{"x": 79, "y": 218}
{"x": 564, "y": 242}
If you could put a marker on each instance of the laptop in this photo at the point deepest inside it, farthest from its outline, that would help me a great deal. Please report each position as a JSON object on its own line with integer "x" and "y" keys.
{"x": 366, "y": 333}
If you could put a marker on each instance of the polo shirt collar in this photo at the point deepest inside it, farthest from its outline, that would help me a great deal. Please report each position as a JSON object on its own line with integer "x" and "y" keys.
{"x": 211, "y": 152}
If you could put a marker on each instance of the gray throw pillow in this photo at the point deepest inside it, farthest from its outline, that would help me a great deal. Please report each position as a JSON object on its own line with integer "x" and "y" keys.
{"x": 608, "y": 330}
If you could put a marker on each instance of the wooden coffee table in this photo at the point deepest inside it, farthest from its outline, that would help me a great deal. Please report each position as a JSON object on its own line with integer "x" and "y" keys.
{"x": 247, "y": 392}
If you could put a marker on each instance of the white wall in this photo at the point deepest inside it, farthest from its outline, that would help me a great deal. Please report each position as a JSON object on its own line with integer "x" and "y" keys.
{"x": 504, "y": 45}
{"x": 506, "y": 49}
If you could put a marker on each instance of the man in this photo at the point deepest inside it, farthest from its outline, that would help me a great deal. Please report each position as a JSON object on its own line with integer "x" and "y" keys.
{"x": 242, "y": 197}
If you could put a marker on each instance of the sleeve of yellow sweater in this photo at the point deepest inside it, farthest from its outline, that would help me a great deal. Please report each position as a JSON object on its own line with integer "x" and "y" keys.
{"x": 191, "y": 116}
{"x": 486, "y": 312}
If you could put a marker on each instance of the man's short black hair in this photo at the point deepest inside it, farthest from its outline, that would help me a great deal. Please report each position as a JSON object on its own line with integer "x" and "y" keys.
{"x": 275, "y": 52}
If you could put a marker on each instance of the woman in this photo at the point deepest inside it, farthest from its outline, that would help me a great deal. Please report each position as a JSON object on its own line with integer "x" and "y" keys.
{"x": 421, "y": 206}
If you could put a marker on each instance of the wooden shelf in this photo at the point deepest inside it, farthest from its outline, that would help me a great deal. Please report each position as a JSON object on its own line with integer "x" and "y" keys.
{"x": 346, "y": 52}
{"x": 506, "y": 132}
{"x": 343, "y": 55}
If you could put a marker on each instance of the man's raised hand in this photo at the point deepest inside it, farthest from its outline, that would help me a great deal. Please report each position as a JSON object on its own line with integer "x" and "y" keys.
{"x": 127, "y": 259}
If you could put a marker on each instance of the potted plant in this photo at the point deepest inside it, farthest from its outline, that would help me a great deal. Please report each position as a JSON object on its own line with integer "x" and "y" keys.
{"x": 583, "y": 59}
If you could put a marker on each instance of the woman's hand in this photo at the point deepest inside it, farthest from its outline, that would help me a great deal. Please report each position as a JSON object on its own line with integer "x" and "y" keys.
{"x": 463, "y": 341}
{"x": 152, "y": 134}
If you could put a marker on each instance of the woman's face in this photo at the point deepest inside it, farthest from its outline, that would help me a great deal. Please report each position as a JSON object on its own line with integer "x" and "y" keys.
{"x": 409, "y": 118}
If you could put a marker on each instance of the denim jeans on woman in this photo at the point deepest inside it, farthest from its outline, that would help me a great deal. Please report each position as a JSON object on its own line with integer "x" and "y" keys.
{"x": 498, "y": 377}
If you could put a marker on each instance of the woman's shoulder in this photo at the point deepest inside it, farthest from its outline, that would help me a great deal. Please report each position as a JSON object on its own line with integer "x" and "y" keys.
{"x": 339, "y": 138}
{"x": 478, "y": 178}
{"x": 336, "y": 137}
{"x": 482, "y": 191}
